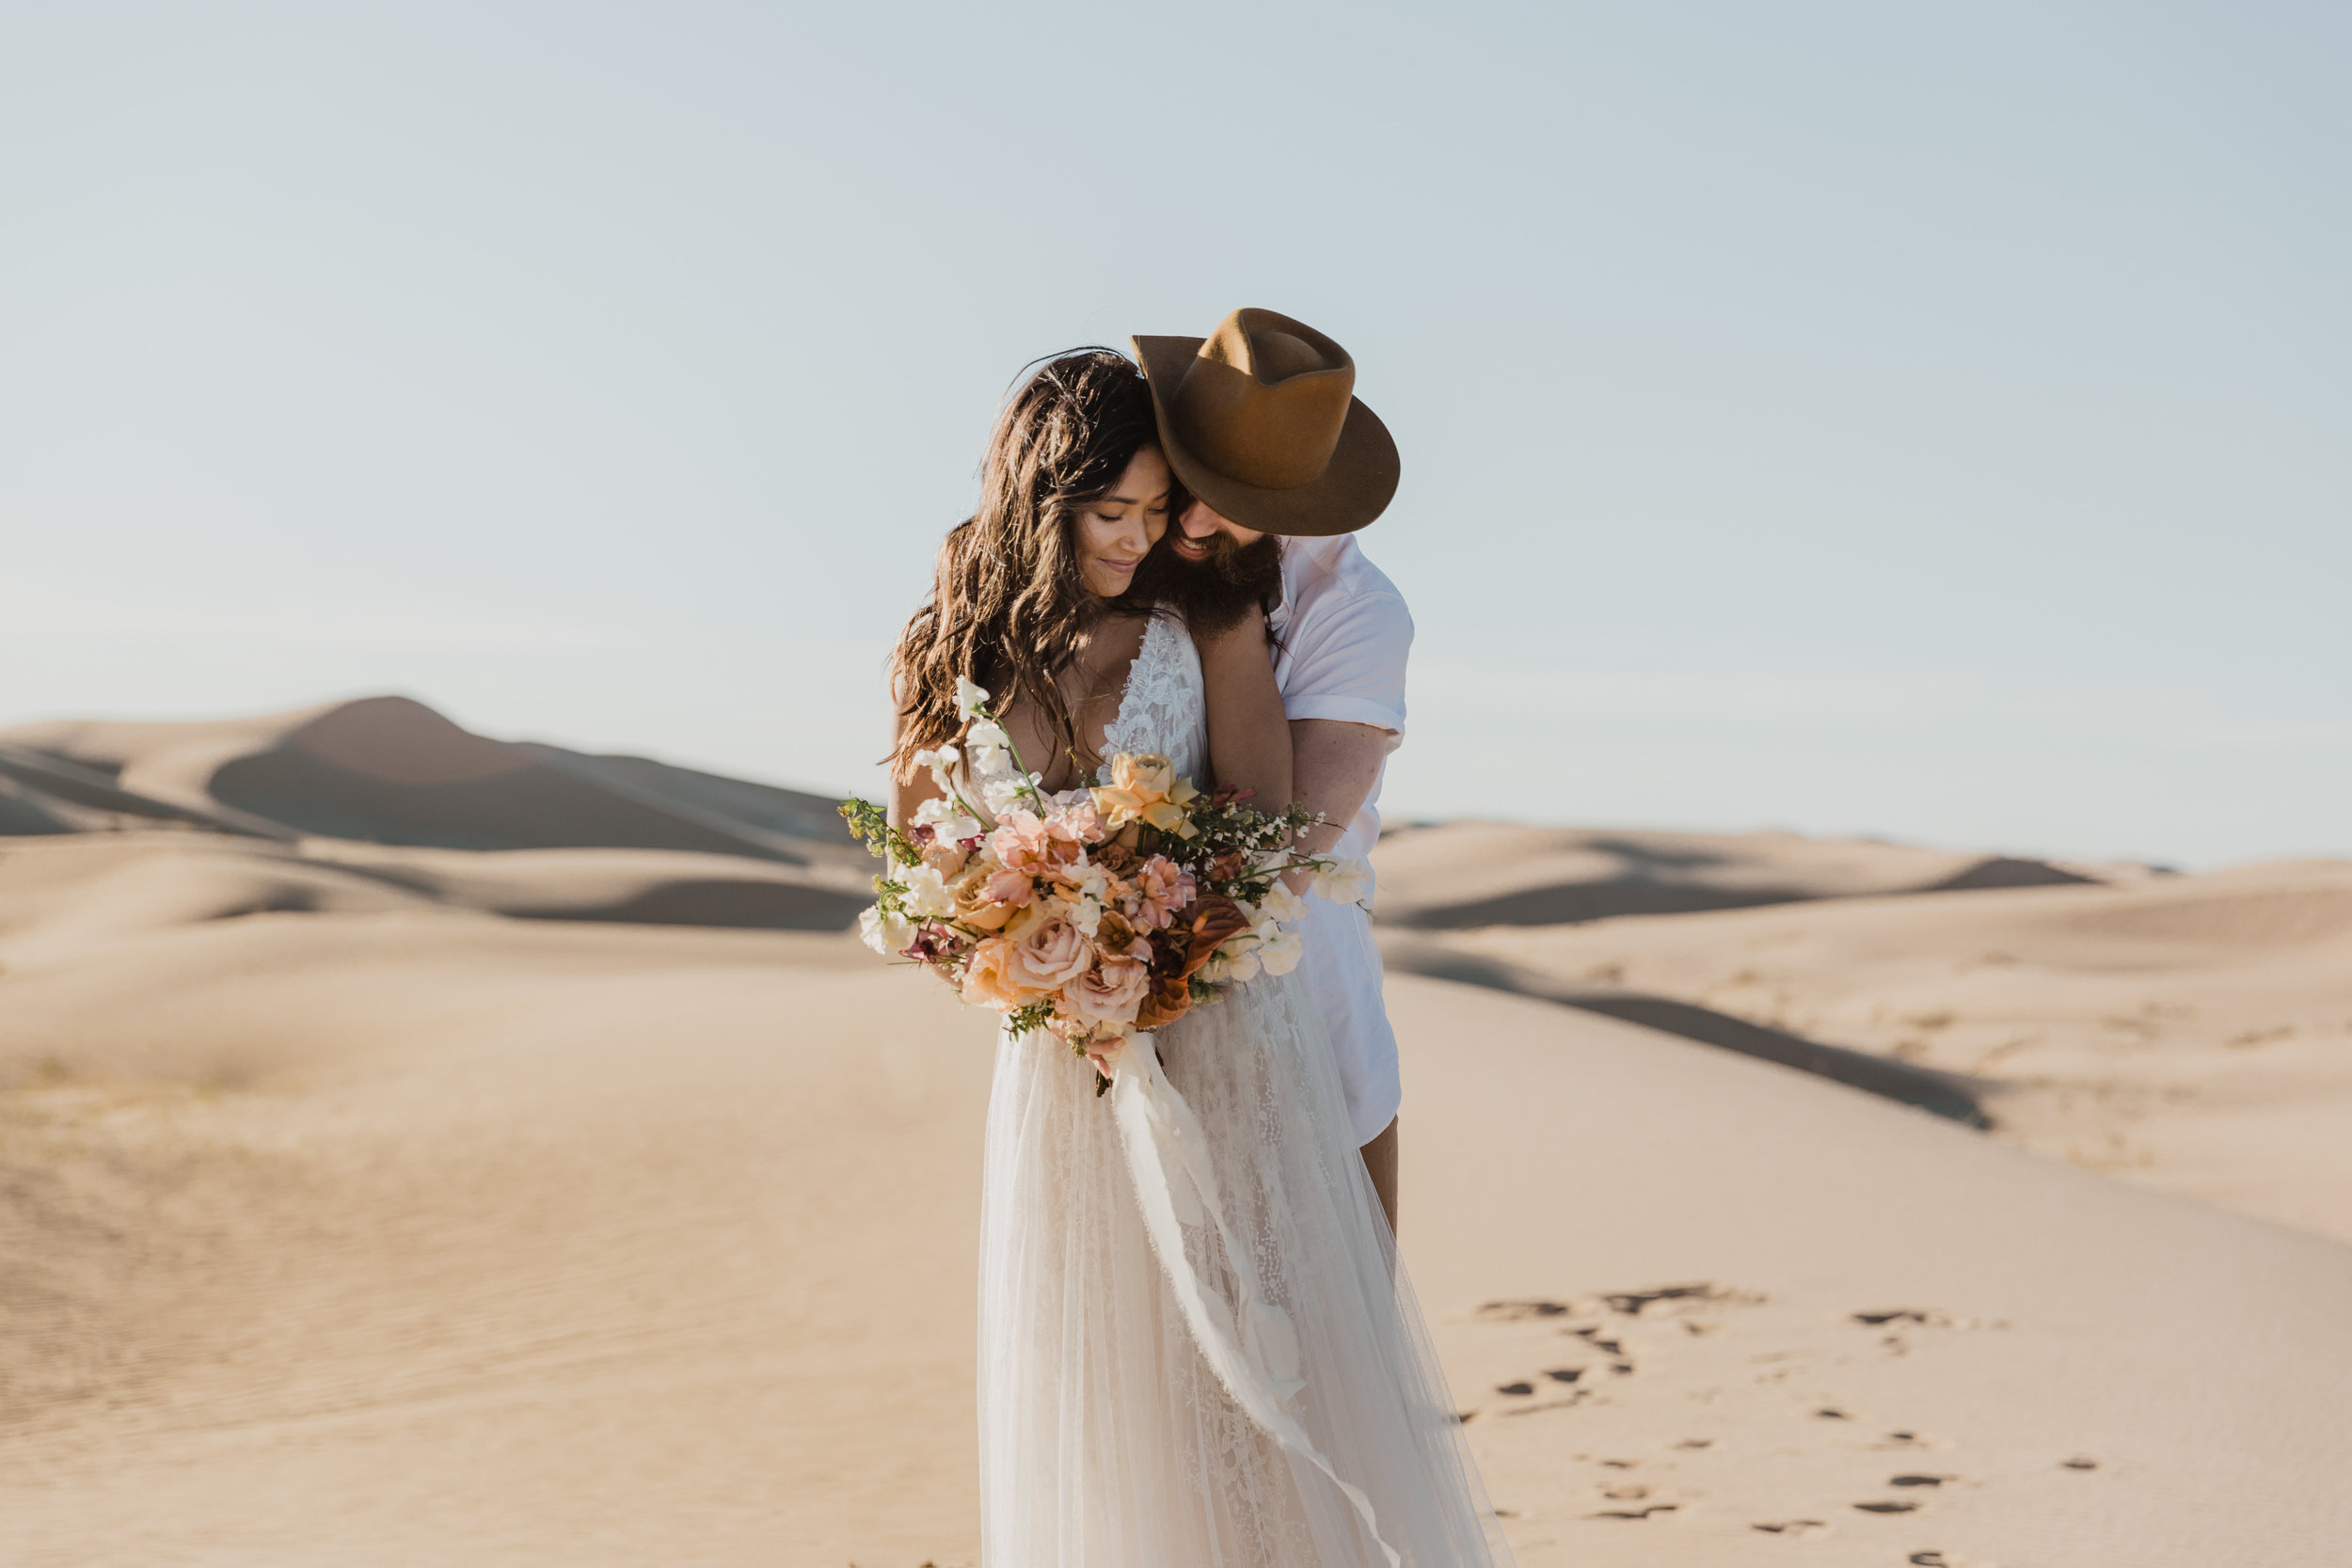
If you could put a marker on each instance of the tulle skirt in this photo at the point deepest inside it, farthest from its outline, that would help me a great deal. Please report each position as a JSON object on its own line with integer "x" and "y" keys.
{"x": 1197, "y": 1347}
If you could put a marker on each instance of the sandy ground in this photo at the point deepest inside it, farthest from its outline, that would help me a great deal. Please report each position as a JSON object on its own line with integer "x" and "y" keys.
{"x": 348, "y": 1225}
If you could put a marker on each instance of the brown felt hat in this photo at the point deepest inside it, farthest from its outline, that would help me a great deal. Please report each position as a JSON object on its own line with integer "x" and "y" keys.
{"x": 1259, "y": 419}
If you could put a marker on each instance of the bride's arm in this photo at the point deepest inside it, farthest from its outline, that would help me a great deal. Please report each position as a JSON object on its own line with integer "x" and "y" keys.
{"x": 907, "y": 796}
{"x": 1249, "y": 739}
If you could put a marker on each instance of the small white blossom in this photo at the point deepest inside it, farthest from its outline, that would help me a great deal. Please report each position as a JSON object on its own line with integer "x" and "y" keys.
{"x": 969, "y": 698}
{"x": 885, "y": 934}
{"x": 1235, "y": 961}
{"x": 1086, "y": 912}
{"x": 1282, "y": 904}
{"x": 946, "y": 820}
{"x": 926, "y": 892}
{"x": 1344, "y": 883}
{"x": 991, "y": 748}
{"x": 1008, "y": 791}
{"x": 1278, "y": 951}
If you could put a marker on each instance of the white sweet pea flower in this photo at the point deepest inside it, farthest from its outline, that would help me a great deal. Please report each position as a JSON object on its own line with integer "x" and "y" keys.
{"x": 1007, "y": 790}
{"x": 1282, "y": 904}
{"x": 969, "y": 698}
{"x": 1278, "y": 951}
{"x": 926, "y": 893}
{"x": 1239, "y": 958}
{"x": 991, "y": 748}
{"x": 947, "y": 819}
{"x": 1344, "y": 883}
{"x": 885, "y": 934}
{"x": 1086, "y": 912}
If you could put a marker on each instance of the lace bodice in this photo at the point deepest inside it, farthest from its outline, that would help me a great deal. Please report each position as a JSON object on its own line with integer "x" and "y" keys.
{"x": 1166, "y": 708}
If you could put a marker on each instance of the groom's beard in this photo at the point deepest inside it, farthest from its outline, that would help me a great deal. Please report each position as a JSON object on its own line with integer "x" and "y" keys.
{"x": 1213, "y": 594}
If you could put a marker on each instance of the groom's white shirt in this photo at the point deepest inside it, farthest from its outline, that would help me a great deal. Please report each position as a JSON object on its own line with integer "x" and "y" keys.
{"x": 1344, "y": 633}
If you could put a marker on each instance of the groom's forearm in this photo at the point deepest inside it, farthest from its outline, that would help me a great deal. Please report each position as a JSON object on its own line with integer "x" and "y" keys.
{"x": 1335, "y": 765}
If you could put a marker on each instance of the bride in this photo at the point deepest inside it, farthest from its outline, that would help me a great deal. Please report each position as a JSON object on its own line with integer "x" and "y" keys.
{"x": 1197, "y": 1349}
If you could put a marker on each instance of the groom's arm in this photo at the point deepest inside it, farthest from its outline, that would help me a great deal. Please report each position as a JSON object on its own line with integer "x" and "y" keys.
{"x": 1346, "y": 697}
{"x": 1335, "y": 765}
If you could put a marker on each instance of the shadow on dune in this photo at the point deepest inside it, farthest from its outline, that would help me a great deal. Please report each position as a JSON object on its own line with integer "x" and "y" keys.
{"x": 1574, "y": 903}
{"x": 747, "y": 905}
{"x": 1939, "y": 1094}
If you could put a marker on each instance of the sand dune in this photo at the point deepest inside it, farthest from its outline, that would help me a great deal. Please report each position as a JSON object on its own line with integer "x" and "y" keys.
{"x": 2192, "y": 1032}
{"x": 1458, "y": 875}
{"x": 379, "y": 1230}
{"x": 390, "y": 771}
{"x": 420, "y": 1148}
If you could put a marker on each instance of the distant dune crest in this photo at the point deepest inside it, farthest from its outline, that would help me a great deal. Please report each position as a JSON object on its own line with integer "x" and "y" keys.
{"x": 344, "y": 784}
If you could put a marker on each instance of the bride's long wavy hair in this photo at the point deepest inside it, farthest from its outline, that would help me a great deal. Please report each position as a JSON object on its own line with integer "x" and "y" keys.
{"x": 1008, "y": 607}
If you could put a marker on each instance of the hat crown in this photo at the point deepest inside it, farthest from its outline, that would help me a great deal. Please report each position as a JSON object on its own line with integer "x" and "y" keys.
{"x": 1265, "y": 400}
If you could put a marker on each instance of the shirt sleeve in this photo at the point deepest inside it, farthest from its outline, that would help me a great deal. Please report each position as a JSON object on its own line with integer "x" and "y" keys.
{"x": 1350, "y": 666}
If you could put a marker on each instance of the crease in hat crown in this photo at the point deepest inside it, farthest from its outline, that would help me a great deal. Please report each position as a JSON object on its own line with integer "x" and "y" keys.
{"x": 1265, "y": 400}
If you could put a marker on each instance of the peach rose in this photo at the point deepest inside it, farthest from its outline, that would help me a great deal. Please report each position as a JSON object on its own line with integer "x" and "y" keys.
{"x": 973, "y": 908}
{"x": 1144, "y": 787}
{"x": 986, "y": 983}
{"x": 1110, "y": 991}
{"x": 1049, "y": 954}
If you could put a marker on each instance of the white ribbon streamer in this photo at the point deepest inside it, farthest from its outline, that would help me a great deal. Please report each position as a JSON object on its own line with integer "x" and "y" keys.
{"x": 1254, "y": 1350}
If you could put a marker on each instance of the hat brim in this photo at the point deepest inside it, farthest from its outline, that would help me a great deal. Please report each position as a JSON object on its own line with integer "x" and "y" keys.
{"x": 1355, "y": 487}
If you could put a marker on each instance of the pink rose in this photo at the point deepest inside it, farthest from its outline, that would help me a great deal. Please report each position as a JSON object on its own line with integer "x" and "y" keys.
{"x": 1024, "y": 842}
{"x": 1074, "y": 821}
{"x": 1162, "y": 888}
{"x": 1110, "y": 992}
{"x": 1048, "y": 956}
{"x": 1008, "y": 886}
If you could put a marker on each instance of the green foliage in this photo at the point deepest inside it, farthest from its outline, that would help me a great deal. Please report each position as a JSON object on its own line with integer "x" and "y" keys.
{"x": 1022, "y": 1019}
{"x": 869, "y": 824}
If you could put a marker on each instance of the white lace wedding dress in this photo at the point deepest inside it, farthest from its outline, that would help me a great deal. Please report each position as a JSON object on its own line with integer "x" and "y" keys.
{"x": 1197, "y": 1349}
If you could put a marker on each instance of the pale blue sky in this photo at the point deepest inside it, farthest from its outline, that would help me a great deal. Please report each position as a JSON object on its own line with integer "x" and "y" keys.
{"x": 1927, "y": 421}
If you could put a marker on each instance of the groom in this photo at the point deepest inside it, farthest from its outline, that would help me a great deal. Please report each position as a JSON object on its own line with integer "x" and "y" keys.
{"x": 1260, "y": 423}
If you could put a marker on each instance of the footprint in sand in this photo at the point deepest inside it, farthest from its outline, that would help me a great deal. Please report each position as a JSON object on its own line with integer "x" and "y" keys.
{"x": 1796, "y": 1529}
{"x": 1890, "y": 1505}
{"x": 1633, "y": 1512}
{"x": 1919, "y": 1480}
{"x": 2080, "y": 1461}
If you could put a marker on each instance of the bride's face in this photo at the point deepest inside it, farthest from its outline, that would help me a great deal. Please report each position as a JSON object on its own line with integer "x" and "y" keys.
{"x": 1116, "y": 532}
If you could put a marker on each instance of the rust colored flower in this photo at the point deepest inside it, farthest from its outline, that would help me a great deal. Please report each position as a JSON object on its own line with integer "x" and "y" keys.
{"x": 1209, "y": 920}
{"x": 1170, "y": 999}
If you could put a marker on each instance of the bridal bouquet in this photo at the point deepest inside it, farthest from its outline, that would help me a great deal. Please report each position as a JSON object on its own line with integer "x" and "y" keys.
{"x": 1090, "y": 912}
